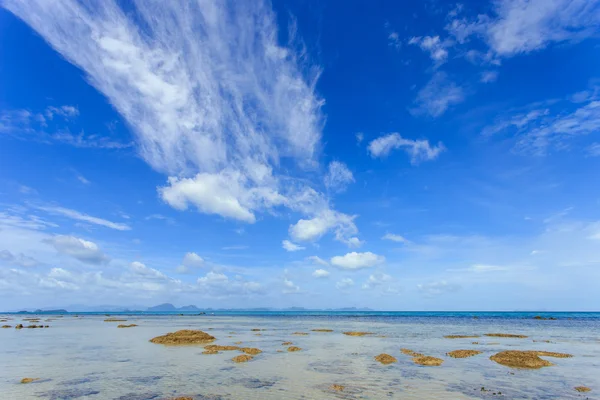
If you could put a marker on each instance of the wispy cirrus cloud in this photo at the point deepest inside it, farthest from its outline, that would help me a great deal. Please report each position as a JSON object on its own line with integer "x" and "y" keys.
{"x": 439, "y": 94}
{"x": 79, "y": 216}
{"x": 419, "y": 150}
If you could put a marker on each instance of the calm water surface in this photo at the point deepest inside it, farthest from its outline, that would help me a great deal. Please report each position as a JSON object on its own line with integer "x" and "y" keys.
{"x": 85, "y": 357}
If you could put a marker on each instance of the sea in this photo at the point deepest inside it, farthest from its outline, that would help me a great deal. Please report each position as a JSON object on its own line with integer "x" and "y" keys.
{"x": 82, "y": 356}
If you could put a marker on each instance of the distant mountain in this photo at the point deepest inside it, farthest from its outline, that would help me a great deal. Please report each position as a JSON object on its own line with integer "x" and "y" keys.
{"x": 38, "y": 311}
{"x": 163, "y": 307}
{"x": 188, "y": 308}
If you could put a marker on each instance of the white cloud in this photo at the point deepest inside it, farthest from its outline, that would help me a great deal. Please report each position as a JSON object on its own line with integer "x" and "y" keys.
{"x": 320, "y": 273}
{"x": 76, "y": 215}
{"x": 354, "y": 242}
{"x": 517, "y": 121}
{"x": 20, "y": 260}
{"x": 289, "y": 287}
{"x": 394, "y": 40}
{"x": 218, "y": 285}
{"x": 62, "y": 111}
{"x": 83, "y": 179}
{"x": 160, "y": 217}
{"x": 394, "y": 238}
{"x": 438, "y": 95}
{"x": 344, "y": 284}
{"x": 354, "y": 260}
{"x": 489, "y": 76}
{"x": 289, "y": 246}
{"x": 433, "y": 45}
{"x": 312, "y": 229}
{"x": 338, "y": 176}
{"x": 482, "y": 268}
{"x": 359, "y": 137}
{"x": 437, "y": 288}
{"x": 419, "y": 150}
{"x": 191, "y": 261}
{"x": 27, "y": 190}
{"x": 81, "y": 249}
{"x": 594, "y": 149}
{"x": 376, "y": 280}
{"x": 519, "y": 26}
{"x": 139, "y": 268}
{"x": 318, "y": 260}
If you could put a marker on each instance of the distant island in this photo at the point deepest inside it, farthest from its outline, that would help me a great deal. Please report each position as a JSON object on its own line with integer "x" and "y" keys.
{"x": 168, "y": 307}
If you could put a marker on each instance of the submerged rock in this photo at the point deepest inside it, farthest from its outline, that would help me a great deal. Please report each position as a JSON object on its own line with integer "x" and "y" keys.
{"x": 411, "y": 353}
{"x": 322, "y": 330}
{"x": 355, "y": 333}
{"x": 19, "y": 326}
{"x": 184, "y": 336}
{"x": 286, "y": 343}
{"x": 114, "y": 320}
{"x": 242, "y": 358}
{"x": 29, "y": 380}
{"x": 6, "y": 326}
{"x": 126, "y": 326}
{"x": 293, "y": 348}
{"x": 583, "y": 389}
{"x": 506, "y": 335}
{"x": 210, "y": 352}
{"x": 218, "y": 347}
{"x": 337, "y": 388}
{"x": 463, "y": 353}
{"x": 526, "y": 359}
{"x": 461, "y": 336}
{"x": 251, "y": 350}
{"x": 428, "y": 361}
{"x": 300, "y": 333}
{"x": 385, "y": 359}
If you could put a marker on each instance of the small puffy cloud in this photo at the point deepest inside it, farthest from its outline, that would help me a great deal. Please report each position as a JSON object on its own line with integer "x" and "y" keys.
{"x": 338, "y": 176}
{"x": 289, "y": 246}
{"x": 320, "y": 273}
{"x": 190, "y": 262}
{"x": 433, "y": 45}
{"x": 354, "y": 242}
{"x": 318, "y": 260}
{"x": 62, "y": 111}
{"x": 81, "y": 249}
{"x": 218, "y": 285}
{"x": 394, "y": 40}
{"x": 344, "y": 284}
{"x": 359, "y": 137}
{"x": 20, "y": 260}
{"x": 289, "y": 287}
{"x": 436, "y": 288}
{"x": 376, "y": 280}
{"x": 394, "y": 238}
{"x": 141, "y": 269}
{"x": 355, "y": 261}
{"x": 489, "y": 76}
{"x": 438, "y": 95}
{"x": 312, "y": 229}
{"x": 419, "y": 150}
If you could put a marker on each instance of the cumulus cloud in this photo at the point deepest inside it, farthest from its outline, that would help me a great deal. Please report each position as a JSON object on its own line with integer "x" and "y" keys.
{"x": 65, "y": 111}
{"x": 219, "y": 285}
{"x": 139, "y": 268}
{"x": 377, "y": 280}
{"x": 489, "y": 76}
{"x": 289, "y": 287}
{"x": 338, "y": 176}
{"x": 289, "y": 246}
{"x": 312, "y": 229}
{"x": 20, "y": 260}
{"x": 81, "y": 249}
{"x": 318, "y": 260}
{"x": 355, "y": 261}
{"x": 345, "y": 283}
{"x": 394, "y": 238}
{"x": 320, "y": 273}
{"x": 76, "y": 215}
{"x": 419, "y": 150}
{"x": 439, "y": 94}
{"x": 436, "y": 47}
{"x": 190, "y": 262}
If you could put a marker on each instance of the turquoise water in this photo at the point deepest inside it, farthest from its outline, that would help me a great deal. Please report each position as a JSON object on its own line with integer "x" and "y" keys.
{"x": 85, "y": 357}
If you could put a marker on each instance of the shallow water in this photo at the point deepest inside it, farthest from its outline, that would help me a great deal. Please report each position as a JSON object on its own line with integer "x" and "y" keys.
{"x": 85, "y": 357}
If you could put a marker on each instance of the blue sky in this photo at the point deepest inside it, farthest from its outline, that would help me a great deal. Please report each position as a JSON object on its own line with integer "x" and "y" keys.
{"x": 434, "y": 156}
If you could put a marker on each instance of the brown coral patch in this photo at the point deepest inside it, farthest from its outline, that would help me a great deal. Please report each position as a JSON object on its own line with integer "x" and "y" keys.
{"x": 385, "y": 359}
{"x": 525, "y": 359}
{"x": 29, "y": 380}
{"x": 210, "y": 352}
{"x": 114, "y": 320}
{"x": 6, "y": 326}
{"x": 286, "y": 343}
{"x": 411, "y": 353}
{"x": 463, "y": 353}
{"x": 336, "y": 387}
{"x": 300, "y": 333}
{"x": 293, "y": 348}
{"x": 126, "y": 326}
{"x": 505, "y": 335}
{"x": 461, "y": 336}
{"x": 428, "y": 360}
{"x": 242, "y": 358}
{"x": 583, "y": 389}
{"x": 251, "y": 350}
{"x": 322, "y": 330}
{"x": 355, "y": 333}
{"x": 183, "y": 337}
